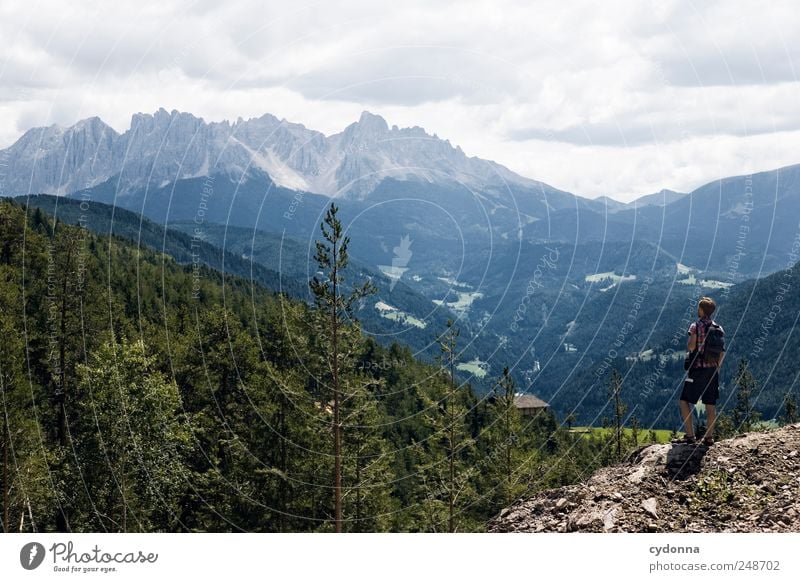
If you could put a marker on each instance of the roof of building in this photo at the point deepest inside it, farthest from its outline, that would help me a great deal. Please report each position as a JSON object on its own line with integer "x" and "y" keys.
{"x": 529, "y": 401}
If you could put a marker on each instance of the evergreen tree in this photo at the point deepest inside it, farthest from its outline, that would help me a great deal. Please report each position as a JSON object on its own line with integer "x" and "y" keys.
{"x": 636, "y": 428}
{"x": 743, "y": 413}
{"x": 789, "y": 409}
{"x": 570, "y": 420}
{"x": 724, "y": 427}
{"x": 448, "y": 470}
{"x": 65, "y": 294}
{"x": 367, "y": 462}
{"x": 131, "y": 441}
{"x": 334, "y": 307}
{"x": 241, "y": 438}
{"x": 506, "y": 458}
{"x": 25, "y": 482}
{"x": 619, "y": 408}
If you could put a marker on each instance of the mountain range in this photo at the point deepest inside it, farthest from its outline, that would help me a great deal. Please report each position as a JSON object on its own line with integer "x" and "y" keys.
{"x": 537, "y": 277}
{"x": 169, "y": 146}
{"x": 274, "y": 175}
{"x": 165, "y": 147}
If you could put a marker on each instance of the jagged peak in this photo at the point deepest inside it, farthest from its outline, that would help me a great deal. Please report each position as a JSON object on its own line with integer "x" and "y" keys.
{"x": 368, "y": 126}
{"x": 40, "y": 132}
{"x": 372, "y": 120}
{"x": 162, "y": 117}
{"x": 56, "y": 130}
{"x": 283, "y": 144}
{"x": 93, "y": 123}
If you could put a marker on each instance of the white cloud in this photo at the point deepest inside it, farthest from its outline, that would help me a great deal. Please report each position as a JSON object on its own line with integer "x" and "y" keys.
{"x": 616, "y": 98}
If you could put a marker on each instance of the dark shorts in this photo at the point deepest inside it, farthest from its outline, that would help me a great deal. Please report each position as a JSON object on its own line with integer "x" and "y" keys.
{"x": 701, "y": 384}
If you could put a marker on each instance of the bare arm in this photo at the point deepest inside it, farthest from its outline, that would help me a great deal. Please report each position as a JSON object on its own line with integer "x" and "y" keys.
{"x": 692, "y": 341}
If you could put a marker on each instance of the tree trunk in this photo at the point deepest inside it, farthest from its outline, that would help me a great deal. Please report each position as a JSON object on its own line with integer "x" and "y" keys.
{"x": 61, "y": 389}
{"x": 618, "y": 418}
{"x": 282, "y": 455}
{"x": 508, "y": 444}
{"x": 358, "y": 494}
{"x": 451, "y": 500}
{"x": 337, "y": 429}
{"x": 6, "y": 439}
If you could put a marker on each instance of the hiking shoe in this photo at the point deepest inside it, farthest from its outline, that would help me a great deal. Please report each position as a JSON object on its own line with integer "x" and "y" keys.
{"x": 685, "y": 440}
{"x": 708, "y": 441}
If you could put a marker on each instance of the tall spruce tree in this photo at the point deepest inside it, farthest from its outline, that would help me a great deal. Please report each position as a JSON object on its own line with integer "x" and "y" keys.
{"x": 447, "y": 457}
{"x": 334, "y": 302}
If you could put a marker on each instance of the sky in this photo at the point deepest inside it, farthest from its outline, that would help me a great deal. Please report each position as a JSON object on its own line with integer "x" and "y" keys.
{"x": 597, "y": 98}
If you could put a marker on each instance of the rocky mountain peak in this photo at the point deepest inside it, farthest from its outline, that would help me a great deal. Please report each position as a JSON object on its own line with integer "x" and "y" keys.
{"x": 162, "y": 121}
{"x": 165, "y": 146}
{"x": 369, "y": 128}
{"x": 95, "y": 125}
{"x": 371, "y": 122}
{"x": 749, "y": 483}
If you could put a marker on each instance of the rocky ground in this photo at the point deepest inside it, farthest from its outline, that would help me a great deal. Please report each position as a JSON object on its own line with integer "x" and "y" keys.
{"x": 749, "y": 483}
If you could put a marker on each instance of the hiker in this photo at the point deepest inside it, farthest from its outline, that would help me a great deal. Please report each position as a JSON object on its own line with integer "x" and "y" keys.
{"x": 706, "y": 352}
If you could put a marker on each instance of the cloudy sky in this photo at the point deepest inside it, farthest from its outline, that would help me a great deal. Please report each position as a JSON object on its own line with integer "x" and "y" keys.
{"x": 614, "y": 98}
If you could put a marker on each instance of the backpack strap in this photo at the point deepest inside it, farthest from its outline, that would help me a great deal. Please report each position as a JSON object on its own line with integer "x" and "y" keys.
{"x": 698, "y": 355}
{"x": 701, "y": 348}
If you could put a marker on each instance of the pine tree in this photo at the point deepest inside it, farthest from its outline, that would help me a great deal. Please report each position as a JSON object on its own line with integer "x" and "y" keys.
{"x": 334, "y": 307}
{"x": 64, "y": 305}
{"x": 506, "y": 440}
{"x": 743, "y": 413}
{"x": 619, "y": 408}
{"x": 366, "y": 457}
{"x": 789, "y": 409}
{"x": 570, "y": 420}
{"x": 724, "y": 427}
{"x": 448, "y": 470}
{"x": 636, "y": 428}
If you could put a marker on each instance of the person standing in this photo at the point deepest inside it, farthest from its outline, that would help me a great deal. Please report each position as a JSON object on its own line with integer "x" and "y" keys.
{"x": 706, "y": 352}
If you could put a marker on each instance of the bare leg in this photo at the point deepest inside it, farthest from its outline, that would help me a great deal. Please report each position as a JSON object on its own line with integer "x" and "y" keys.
{"x": 711, "y": 412}
{"x": 686, "y": 415}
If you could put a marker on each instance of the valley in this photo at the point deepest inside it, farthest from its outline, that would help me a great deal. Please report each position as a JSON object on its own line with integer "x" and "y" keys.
{"x": 537, "y": 279}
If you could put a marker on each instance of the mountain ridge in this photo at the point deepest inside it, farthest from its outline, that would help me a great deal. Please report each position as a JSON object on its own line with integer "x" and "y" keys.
{"x": 168, "y": 146}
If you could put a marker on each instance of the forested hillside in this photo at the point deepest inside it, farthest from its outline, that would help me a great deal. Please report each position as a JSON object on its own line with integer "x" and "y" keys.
{"x": 276, "y": 262}
{"x": 140, "y": 394}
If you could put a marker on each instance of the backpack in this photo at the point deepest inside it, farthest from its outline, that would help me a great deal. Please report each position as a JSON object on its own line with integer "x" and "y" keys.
{"x": 713, "y": 344}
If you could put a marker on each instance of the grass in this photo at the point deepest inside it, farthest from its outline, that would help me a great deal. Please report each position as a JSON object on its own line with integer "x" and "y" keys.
{"x": 475, "y": 367}
{"x": 662, "y": 435}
